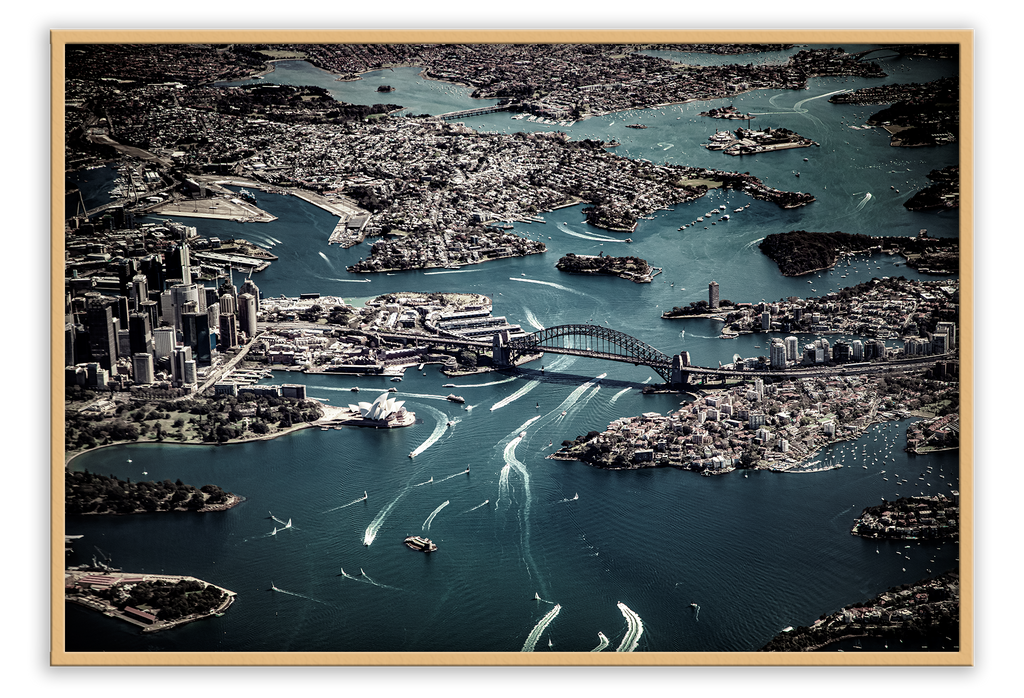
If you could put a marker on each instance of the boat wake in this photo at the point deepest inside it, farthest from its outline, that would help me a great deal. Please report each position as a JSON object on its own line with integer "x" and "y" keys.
{"x": 538, "y": 630}
{"x": 484, "y": 385}
{"x": 349, "y": 281}
{"x": 425, "y": 482}
{"x": 430, "y": 519}
{"x": 504, "y": 489}
{"x": 864, "y": 201}
{"x": 602, "y": 642}
{"x": 617, "y": 395}
{"x": 454, "y": 271}
{"x": 549, "y": 283}
{"x": 530, "y": 385}
{"x": 449, "y": 477}
{"x": 634, "y": 629}
{"x": 378, "y": 521}
{"x": 483, "y": 503}
{"x": 569, "y": 499}
{"x": 354, "y": 501}
{"x": 532, "y": 319}
{"x": 439, "y": 429}
{"x": 365, "y": 579}
{"x": 587, "y": 237}
{"x": 303, "y": 596}
{"x": 327, "y": 259}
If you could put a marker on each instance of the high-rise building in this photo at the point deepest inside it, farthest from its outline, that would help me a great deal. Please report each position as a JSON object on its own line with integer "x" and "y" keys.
{"x": 139, "y": 291}
{"x": 228, "y": 336}
{"x": 179, "y": 357}
{"x": 142, "y": 368}
{"x": 190, "y": 376}
{"x": 251, "y": 288}
{"x": 949, "y": 329}
{"x": 713, "y": 294}
{"x": 247, "y": 315}
{"x": 124, "y": 343}
{"x": 102, "y": 333}
{"x": 857, "y": 347}
{"x": 766, "y": 320}
{"x": 227, "y": 304}
{"x": 777, "y": 354}
{"x": 792, "y": 348}
{"x": 164, "y": 339}
{"x": 206, "y": 340}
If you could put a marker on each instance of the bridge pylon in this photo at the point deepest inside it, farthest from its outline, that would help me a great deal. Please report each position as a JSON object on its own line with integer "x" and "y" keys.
{"x": 501, "y": 355}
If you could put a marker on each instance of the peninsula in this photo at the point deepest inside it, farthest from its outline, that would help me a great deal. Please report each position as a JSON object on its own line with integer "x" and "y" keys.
{"x": 911, "y": 518}
{"x": 943, "y": 194}
{"x": 90, "y": 493}
{"x": 919, "y": 611}
{"x": 153, "y": 602}
{"x": 800, "y": 252}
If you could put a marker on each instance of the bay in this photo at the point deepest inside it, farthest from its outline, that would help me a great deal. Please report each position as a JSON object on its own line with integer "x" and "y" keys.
{"x": 757, "y": 553}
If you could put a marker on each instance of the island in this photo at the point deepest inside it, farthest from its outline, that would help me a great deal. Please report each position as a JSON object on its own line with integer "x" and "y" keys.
{"x": 929, "y": 608}
{"x": 747, "y": 141}
{"x": 801, "y": 252}
{"x": 631, "y": 268}
{"x": 729, "y": 112}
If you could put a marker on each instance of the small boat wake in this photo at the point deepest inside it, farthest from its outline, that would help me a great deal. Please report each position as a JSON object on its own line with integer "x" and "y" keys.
{"x": 602, "y": 643}
{"x": 425, "y": 482}
{"x": 538, "y": 630}
{"x": 484, "y": 385}
{"x": 430, "y": 519}
{"x": 536, "y": 597}
{"x": 365, "y": 579}
{"x": 532, "y": 319}
{"x": 439, "y": 429}
{"x": 481, "y": 504}
{"x": 530, "y": 385}
{"x": 696, "y": 611}
{"x": 449, "y": 477}
{"x": 569, "y": 499}
{"x": 354, "y": 501}
{"x": 634, "y": 629}
{"x": 551, "y": 283}
{"x": 302, "y": 596}
{"x": 617, "y": 395}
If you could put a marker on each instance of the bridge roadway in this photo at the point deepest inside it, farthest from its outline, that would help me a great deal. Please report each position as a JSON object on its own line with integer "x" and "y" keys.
{"x": 472, "y": 112}
{"x": 697, "y": 371}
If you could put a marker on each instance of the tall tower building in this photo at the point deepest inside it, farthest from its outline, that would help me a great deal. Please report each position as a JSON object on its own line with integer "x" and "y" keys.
{"x": 140, "y": 333}
{"x": 777, "y": 353}
{"x": 142, "y": 368}
{"x": 228, "y": 304}
{"x": 102, "y": 333}
{"x": 792, "y": 348}
{"x": 163, "y": 341}
{"x": 247, "y": 315}
{"x": 228, "y": 337}
{"x": 251, "y": 288}
{"x": 713, "y": 294}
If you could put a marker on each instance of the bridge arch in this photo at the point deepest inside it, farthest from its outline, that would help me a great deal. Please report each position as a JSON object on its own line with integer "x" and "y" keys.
{"x": 593, "y": 341}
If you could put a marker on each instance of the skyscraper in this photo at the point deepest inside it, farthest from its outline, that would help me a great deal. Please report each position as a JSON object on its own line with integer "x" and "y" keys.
{"x": 713, "y": 294}
{"x": 247, "y": 315}
{"x": 142, "y": 368}
{"x": 102, "y": 333}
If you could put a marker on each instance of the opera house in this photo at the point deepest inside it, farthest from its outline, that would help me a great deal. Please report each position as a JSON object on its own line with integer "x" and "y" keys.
{"x": 385, "y": 411}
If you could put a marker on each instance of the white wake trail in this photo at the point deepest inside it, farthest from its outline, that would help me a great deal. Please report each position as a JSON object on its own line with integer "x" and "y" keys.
{"x": 538, "y": 630}
{"x": 483, "y": 503}
{"x": 326, "y": 259}
{"x": 378, "y": 520}
{"x": 634, "y": 629}
{"x": 504, "y": 489}
{"x": 439, "y": 428}
{"x": 356, "y": 501}
{"x": 484, "y": 385}
{"x": 532, "y": 319}
{"x": 458, "y": 271}
{"x": 617, "y": 395}
{"x": 864, "y": 201}
{"x": 548, "y": 283}
{"x": 530, "y": 385}
{"x": 430, "y": 519}
{"x": 603, "y": 642}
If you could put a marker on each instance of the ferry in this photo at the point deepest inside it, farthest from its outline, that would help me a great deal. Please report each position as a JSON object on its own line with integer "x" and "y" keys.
{"x": 455, "y": 398}
{"x": 424, "y": 545}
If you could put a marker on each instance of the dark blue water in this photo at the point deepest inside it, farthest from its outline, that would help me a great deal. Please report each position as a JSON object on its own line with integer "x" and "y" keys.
{"x": 757, "y": 553}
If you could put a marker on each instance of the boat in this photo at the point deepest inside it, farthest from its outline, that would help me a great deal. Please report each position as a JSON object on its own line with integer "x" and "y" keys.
{"x": 522, "y": 435}
{"x": 396, "y": 379}
{"x": 629, "y": 239}
{"x": 448, "y": 385}
{"x": 424, "y": 545}
{"x": 455, "y": 398}
{"x": 392, "y": 390}
{"x": 355, "y": 389}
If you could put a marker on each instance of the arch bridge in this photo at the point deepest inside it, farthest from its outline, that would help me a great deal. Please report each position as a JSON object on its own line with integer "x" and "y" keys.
{"x": 593, "y": 341}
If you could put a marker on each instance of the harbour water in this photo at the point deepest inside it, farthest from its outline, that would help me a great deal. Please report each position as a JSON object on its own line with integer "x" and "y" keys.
{"x": 757, "y": 553}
